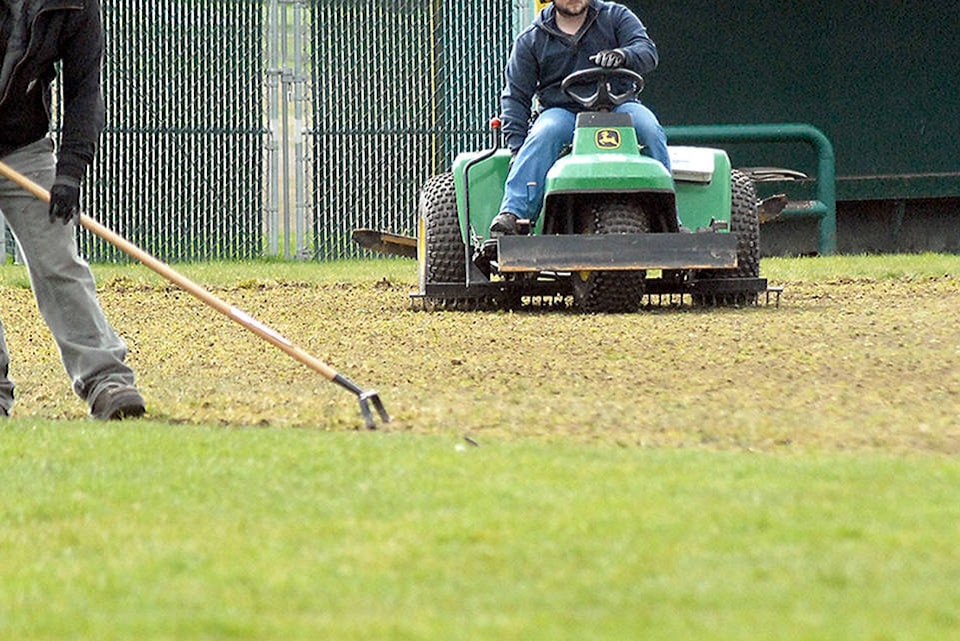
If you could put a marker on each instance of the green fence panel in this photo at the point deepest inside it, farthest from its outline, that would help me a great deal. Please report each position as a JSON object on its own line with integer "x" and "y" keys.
{"x": 194, "y": 155}
{"x": 399, "y": 88}
{"x": 180, "y": 168}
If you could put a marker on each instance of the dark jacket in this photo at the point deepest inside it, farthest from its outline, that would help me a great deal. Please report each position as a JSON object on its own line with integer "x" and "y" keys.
{"x": 543, "y": 56}
{"x": 69, "y": 31}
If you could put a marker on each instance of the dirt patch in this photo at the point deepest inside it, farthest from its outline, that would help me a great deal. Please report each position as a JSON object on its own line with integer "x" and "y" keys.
{"x": 839, "y": 365}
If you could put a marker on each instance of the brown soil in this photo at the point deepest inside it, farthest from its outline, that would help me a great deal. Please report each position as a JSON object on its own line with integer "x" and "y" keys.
{"x": 838, "y": 365}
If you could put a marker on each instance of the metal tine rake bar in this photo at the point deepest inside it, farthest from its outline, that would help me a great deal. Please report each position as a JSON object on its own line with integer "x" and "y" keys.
{"x": 366, "y": 397}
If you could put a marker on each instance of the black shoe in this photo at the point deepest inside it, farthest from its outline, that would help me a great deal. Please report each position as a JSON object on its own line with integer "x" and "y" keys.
{"x": 505, "y": 224}
{"x": 117, "y": 403}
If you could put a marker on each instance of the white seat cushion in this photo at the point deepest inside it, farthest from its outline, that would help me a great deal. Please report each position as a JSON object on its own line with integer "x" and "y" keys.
{"x": 692, "y": 164}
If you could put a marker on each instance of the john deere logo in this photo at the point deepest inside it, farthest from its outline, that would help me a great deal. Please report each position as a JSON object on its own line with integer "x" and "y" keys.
{"x": 608, "y": 139}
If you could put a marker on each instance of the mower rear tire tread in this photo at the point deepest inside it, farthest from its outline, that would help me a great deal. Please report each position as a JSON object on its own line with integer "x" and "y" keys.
{"x": 444, "y": 254}
{"x": 745, "y": 225}
{"x": 445, "y": 249}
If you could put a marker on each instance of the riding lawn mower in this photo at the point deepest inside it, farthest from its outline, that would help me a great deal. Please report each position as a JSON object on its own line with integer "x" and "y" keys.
{"x": 608, "y": 236}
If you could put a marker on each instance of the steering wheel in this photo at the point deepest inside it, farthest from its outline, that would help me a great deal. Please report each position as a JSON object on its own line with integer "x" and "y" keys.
{"x": 603, "y": 98}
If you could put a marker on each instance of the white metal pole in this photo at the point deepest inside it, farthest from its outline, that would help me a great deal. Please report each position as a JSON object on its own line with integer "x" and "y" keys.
{"x": 299, "y": 78}
{"x": 285, "y": 92}
{"x": 524, "y": 13}
{"x": 272, "y": 187}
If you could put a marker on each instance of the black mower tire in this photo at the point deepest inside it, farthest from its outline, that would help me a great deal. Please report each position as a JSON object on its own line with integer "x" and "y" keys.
{"x": 444, "y": 255}
{"x": 602, "y": 292}
{"x": 745, "y": 225}
{"x": 442, "y": 248}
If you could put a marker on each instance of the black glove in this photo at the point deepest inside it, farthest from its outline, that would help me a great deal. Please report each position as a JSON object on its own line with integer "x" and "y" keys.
{"x": 64, "y": 203}
{"x": 610, "y": 58}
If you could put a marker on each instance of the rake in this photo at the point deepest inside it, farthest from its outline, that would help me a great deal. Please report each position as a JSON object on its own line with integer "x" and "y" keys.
{"x": 366, "y": 397}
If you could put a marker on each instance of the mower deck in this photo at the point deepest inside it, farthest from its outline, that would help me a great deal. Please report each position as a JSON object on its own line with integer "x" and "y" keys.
{"x": 531, "y": 268}
{"x": 574, "y": 253}
{"x": 673, "y": 289}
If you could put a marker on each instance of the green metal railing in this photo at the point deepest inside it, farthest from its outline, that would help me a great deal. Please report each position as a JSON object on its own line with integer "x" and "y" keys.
{"x": 825, "y": 207}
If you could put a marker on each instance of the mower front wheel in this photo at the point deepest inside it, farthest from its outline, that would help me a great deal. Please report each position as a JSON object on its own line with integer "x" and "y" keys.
{"x": 611, "y": 291}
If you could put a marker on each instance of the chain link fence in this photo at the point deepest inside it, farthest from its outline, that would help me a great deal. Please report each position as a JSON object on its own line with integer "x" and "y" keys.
{"x": 238, "y": 129}
{"x": 400, "y": 87}
{"x": 180, "y": 168}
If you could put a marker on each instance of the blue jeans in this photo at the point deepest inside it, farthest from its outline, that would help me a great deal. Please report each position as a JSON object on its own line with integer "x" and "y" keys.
{"x": 550, "y": 132}
{"x": 63, "y": 285}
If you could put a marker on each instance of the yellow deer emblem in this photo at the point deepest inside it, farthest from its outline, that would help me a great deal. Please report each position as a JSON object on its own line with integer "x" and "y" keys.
{"x": 608, "y": 139}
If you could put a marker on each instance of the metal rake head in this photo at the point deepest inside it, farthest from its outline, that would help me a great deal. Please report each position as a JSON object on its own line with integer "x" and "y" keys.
{"x": 366, "y": 398}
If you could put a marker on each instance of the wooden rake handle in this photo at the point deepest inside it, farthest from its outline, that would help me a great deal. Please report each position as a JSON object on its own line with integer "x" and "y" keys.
{"x": 233, "y": 313}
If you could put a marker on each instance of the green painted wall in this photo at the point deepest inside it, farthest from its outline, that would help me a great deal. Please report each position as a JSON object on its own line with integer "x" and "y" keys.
{"x": 880, "y": 79}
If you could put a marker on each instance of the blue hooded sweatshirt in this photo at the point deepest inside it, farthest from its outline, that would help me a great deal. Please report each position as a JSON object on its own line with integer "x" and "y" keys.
{"x": 543, "y": 56}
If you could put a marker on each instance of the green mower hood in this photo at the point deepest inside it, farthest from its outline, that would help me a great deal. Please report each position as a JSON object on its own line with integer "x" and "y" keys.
{"x": 606, "y": 158}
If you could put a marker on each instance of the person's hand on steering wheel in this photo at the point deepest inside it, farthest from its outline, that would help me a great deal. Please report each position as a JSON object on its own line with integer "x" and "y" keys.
{"x": 603, "y": 96}
{"x": 609, "y": 58}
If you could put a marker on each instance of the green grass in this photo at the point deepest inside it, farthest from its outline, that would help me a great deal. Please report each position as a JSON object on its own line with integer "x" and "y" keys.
{"x": 833, "y": 268}
{"x": 722, "y": 517}
{"x": 159, "y": 532}
{"x": 816, "y": 269}
{"x": 244, "y": 273}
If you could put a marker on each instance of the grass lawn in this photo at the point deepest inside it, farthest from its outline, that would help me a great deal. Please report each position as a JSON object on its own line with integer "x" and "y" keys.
{"x": 150, "y": 531}
{"x": 826, "y": 510}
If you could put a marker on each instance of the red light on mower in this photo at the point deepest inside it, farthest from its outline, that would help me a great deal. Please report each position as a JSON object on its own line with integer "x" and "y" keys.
{"x": 495, "y": 123}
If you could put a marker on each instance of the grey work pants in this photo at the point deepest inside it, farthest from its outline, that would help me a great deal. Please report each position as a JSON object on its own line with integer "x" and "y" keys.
{"x": 63, "y": 285}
